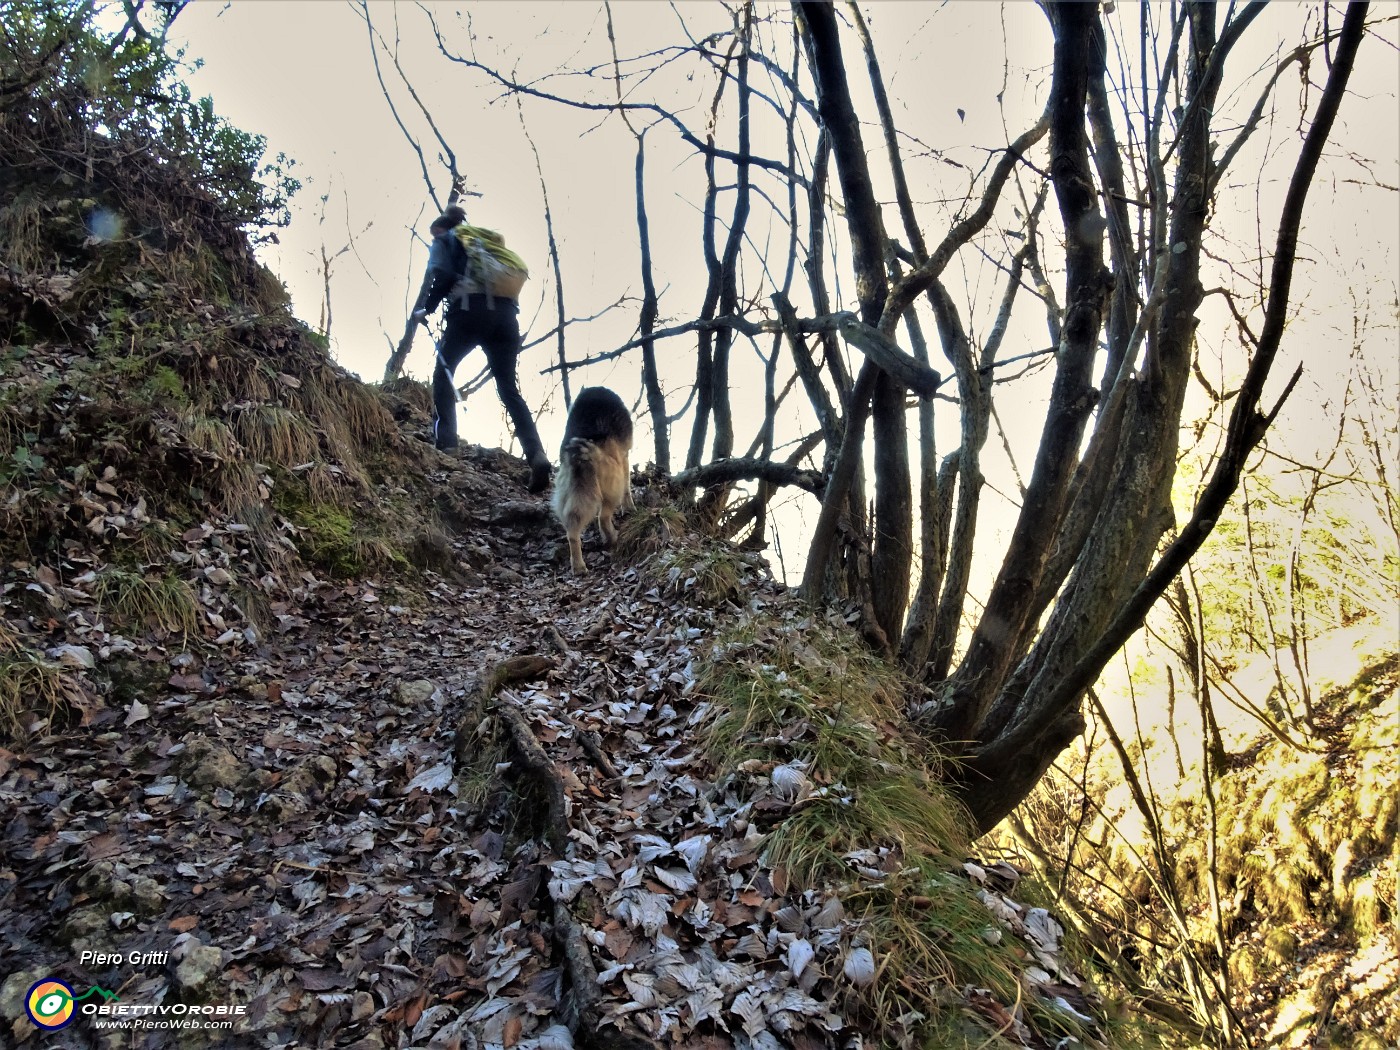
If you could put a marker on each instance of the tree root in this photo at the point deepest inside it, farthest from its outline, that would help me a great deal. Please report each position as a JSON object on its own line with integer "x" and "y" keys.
{"x": 512, "y": 669}
{"x": 580, "y": 1005}
{"x": 592, "y": 745}
{"x": 538, "y": 764}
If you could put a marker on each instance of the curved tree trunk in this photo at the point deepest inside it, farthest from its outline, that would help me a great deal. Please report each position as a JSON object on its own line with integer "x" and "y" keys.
{"x": 1115, "y": 581}
{"x": 993, "y": 648}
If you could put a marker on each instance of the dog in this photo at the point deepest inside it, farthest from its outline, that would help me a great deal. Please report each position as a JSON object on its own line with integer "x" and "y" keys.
{"x": 595, "y": 477}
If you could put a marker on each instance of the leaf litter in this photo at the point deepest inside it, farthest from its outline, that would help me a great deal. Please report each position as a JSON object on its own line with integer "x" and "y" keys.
{"x": 299, "y": 808}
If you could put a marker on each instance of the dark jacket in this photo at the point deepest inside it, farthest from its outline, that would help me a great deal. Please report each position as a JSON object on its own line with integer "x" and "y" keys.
{"x": 447, "y": 264}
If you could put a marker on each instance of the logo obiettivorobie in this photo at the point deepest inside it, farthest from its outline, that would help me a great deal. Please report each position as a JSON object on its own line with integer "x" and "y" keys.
{"x": 50, "y": 1002}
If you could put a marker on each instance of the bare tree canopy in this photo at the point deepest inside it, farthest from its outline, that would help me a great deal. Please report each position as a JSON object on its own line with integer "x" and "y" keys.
{"x": 853, "y": 275}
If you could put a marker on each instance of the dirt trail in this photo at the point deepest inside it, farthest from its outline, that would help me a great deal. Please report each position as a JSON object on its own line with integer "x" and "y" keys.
{"x": 477, "y": 817}
{"x": 297, "y": 809}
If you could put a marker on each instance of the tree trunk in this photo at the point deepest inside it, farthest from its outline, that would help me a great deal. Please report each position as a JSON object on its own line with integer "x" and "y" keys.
{"x": 723, "y": 446}
{"x": 1111, "y": 589}
{"x": 651, "y": 382}
{"x": 1000, "y": 636}
{"x": 704, "y": 365}
{"x": 892, "y": 556}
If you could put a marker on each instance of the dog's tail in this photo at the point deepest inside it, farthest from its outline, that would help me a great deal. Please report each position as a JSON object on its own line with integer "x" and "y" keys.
{"x": 578, "y": 473}
{"x": 582, "y": 455}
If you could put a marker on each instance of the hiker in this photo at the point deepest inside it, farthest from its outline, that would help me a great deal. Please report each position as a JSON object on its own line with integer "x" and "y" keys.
{"x": 480, "y": 279}
{"x": 452, "y": 216}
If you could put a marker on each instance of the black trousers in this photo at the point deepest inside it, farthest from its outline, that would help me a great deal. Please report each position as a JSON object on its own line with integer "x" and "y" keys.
{"x": 492, "y": 324}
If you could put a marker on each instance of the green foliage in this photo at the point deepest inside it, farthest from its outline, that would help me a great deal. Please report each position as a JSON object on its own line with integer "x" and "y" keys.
{"x": 1306, "y": 827}
{"x": 79, "y": 62}
{"x": 327, "y": 535}
{"x": 1303, "y": 552}
{"x": 155, "y": 385}
{"x": 226, "y": 160}
{"x": 21, "y": 463}
{"x": 1305, "y": 863}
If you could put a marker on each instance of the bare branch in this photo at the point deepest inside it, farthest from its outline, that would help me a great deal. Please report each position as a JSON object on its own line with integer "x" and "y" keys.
{"x": 885, "y": 352}
{"x": 725, "y": 471}
{"x": 363, "y": 8}
{"x": 707, "y": 149}
{"x": 1246, "y": 424}
{"x": 922, "y": 277}
{"x": 736, "y": 322}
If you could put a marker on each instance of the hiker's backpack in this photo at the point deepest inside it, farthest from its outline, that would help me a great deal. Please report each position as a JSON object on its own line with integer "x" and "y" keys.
{"x": 491, "y": 268}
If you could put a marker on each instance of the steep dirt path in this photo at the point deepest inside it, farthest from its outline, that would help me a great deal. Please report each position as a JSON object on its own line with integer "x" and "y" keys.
{"x": 288, "y": 832}
{"x": 477, "y": 820}
{"x": 280, "y": 830}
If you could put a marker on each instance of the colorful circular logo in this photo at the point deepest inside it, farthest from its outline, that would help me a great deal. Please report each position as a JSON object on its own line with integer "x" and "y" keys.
{"x": 50, "y": 1003}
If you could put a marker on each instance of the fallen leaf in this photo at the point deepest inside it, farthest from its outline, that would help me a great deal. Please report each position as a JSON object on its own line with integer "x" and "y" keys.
{"x": 430, "y": 780}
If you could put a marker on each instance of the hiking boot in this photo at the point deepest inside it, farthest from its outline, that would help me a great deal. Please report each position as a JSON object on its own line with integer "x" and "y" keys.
{"x": 539, "y": 473}
{"x": 444, "y": 432}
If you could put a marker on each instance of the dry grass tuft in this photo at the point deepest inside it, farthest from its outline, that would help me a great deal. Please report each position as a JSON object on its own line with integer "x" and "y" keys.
{"x": 649, "y": 530}
{"x": 350, "y": 416}
{"x": 31, "y": 689}
{"x": 809, "y": 696}
{"x": 227, "y": 372}
{"x": 714, "y": 572}
{"x": 329, "y": 484}
{"x": 22, "y": 232}
{"x": 407, "y": 398}
{"x": 366, "y": 419}
{"x": 239, "y": 492}
{"x": 206, "y": 434}
{"x": 374, "y": 553}
{"x": 276, "y": 435}
{"x": 926, "y": 933}
{"x": 130, "y": 599}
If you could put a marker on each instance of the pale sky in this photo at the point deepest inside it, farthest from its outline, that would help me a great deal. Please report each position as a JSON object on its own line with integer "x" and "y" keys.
{"x": 300, "y": 73}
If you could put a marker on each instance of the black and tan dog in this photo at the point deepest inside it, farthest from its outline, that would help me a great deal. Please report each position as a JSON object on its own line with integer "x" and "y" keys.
{"x": 594, "y": 477}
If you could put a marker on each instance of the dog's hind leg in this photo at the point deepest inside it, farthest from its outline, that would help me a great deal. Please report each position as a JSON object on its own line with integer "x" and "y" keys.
{"x": 605, "y": 523}
{"x": 574, "y": 530}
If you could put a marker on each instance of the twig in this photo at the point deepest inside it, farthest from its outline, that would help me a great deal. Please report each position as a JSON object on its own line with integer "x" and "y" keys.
{"x": 592, "y": 745}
